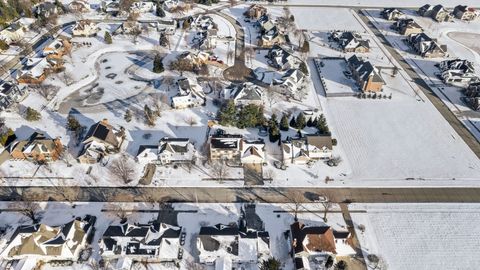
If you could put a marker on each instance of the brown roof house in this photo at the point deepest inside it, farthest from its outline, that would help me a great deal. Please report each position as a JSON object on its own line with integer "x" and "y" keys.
{"x": 256, "y": 11}
{"x": 311, "y": 245}
{"x": 365, "y": 74}
{"x": 50, "y": 242}
{"x": 303, "y": 150}
{"x": 225, "y": 146}
{"x": 37, "y": 148}
{"x": 426, "y": 46}
{"x": 101, "y": 139}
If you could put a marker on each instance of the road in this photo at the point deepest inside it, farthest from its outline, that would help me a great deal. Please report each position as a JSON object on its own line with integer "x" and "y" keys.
{"x": 244, "y": 194}
{"x": 466, "y": 135}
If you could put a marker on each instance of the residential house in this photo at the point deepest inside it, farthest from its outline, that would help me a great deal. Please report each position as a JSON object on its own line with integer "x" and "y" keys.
{"x": 425, "y": 10}
{"x": 392, "y": 14}
{"x": 291, "y": 81}
{"x": 224, "y": 146}
{"x": 256, "y": 11}
{"x": 426, "y": 46}
{"x": 204, "y": 23}
{"x": 101, "y": 140}
{"x": 153, "y": 242}
{"x": 465, "y": 13}
{"x": 176, "y": 151}
{"x": 281, "y": 59}
{"x": 441, "y": 14}
{"x": 206, "y": 40}
{"x": 10, "y": 93}
{"x": 35, "y": 70}
{"x": 303, "y": 150}
{"x": 13, "y": 33}
{"x": 407, "y": 27}
{"x": 228, "y": 247}
{"x": 351, "y": 41}
{"x": 458, "y": 71}
{"x": 47, "y": 243}
{"x": 45, "y": 10}
{"x": 244, "y": 94}
{"x": 169, "y": 5}
{"x": 111, "y": 7}
{"x": 271, "y": 38}
{"x": 143, "y": 6}
{"x": 147, "y": 154}
{"x": 253, "y": 152}
{"x": 365, "y": 74}
{"x": 128, "y": 27}
{"x": 472, "y": 96}
{"x": 79, "y": 6}
{"x": 190, "y": 94}
{"x": 57, "y": 48}
{"x": 312, "y": 245}
{"x": 85, "y": 28}
{"x": 38, "y": 148}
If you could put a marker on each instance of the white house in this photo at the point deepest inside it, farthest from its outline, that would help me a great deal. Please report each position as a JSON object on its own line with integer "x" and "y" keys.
{"x": 458, "y": 71}
{"x": 176, "y": 150}
{"x": 143, "y": 6}
{"x": 310, "y": 147}
{"x": 190, "y": 94}
{"x": 244, "y": 94}
{"x": 291, "y": 81}
{"x": 48, "y": 243}
{"x": 13, "y": 33}
{"x": 85, "y": 28}
{"x": 253, "y": 152}
{"x": 281, "y": 59}
{"x": 156, "y": 242}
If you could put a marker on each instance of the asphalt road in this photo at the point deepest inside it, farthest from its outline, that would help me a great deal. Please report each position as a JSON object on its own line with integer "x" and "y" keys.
{"x": 244, "y": 194}
{"x": 467, "y": 137}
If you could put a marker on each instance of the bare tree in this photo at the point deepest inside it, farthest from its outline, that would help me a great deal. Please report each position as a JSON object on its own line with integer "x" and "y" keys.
{"x": 220, "y": 170}
{"x": 47, "y": 91}
{"x": 135, "y": 33}
{"x": 192, "y": 265}
{"x": 67, "y": 77}
{"x": 160, "y": 103}
{"x": 168, "y": 81}
{"x": 269, "y": 174}
{"x": 31, "y": 210}
{"x": 327, "y": 205}
{"x": 273, "y": 95}
{"x": 297, "y": 199}
{"x": 191, "y": 121}
{"x": 123, "y": 168}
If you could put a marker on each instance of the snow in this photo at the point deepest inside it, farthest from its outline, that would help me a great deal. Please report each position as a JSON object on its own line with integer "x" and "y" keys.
{"x": 420, "y": 236}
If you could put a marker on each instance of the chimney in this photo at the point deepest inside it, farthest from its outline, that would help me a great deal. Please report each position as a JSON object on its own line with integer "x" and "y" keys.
{"x": 104, "y": 121}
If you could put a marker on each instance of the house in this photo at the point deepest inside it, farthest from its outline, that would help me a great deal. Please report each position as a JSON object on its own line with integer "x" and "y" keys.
{"x": 204, "y": 23}
{"x": 426, "y": 46}
{"x": 36, "y": 69}
{"x": 253, "y": 151}
{"x": 458, "y": 71}
{"x": 111, "y": 7}
{"x": 13, "y": 33}
{"x": 143, "y": 6}
{"x": 256, "y": 11}
{"x": 101, "y": 140}
{"x": 38, "y": 148}
{"x": 85, "y": 28}
{"x": 190, "y": 94}
{"x": 45, "y": 10}
{"x": 365, "y": 74}
{"x": 169, "y": 5}
{"x": 351, "y": 42}
{"x": 128, "y": 27}
{"x": 441, "y": 14}
{"x": 407, "y": 27}
{"x": 271, "y": 38}
{"x": 206, "y": 40}
{"x": 57, "y": 48}
{"x": 281, "y": 59}
{"x": 312, "y": 245}
{"x": 227, "y": 247}
{"x": 392, "y": 14}
{"x": 465, "y": 13}
{"x": 425, "y": 10}
{"x": 291, "y": 81}
{"x": 176, "y": 151}
{"x": 10, "y": 93}
{"x": 147, "y": 154}
{"x": 49, "y": 243}
{"x": 153, "y": 242}
{"x": 224, "y": 146}
{"x": 303, "y": 150}
{"x": 472, "y": 96}
{"x": 79, "y": 6}
{"x": 244, "y": 94}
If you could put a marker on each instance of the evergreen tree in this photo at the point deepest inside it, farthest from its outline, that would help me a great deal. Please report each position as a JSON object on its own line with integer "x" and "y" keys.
{"x": 284, "y": 123}
{"x": 273, "y": 121}
{"x": 163, "y": 40}
{"x": 157, "y": 64}
{"x": 250, "y": 116}
{"x": 6, "y": 135}
{"x": 160, "y": 12}
{"x": 315, "y": 121}
{"x": 322, "y": 125}
{"x": 149, "y": 115}
{"x": 107, "y": 37}
{"x": 273, "y": 133}
{"x": 305, "y": 46}
{"x": 271, "y": 264}
{"x": 3, "y": 45}
{"x": 310, "y": 122}
{"x": 293, "y": 122}
{"x": 128, "y": 115}
{"x": 32, "y": 114}
{"x": 72, "y": 123}
{"x": 303, "y": 68}
{"x": 301, "y": 123}
{"x": 227, "y": 114}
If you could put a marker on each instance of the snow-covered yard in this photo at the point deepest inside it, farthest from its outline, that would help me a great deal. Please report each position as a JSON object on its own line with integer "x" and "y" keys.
{"x": 420, "y": 236}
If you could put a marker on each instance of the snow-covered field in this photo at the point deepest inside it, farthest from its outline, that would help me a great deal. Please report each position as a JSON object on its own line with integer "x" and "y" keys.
{"x": 420, "y": 236}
